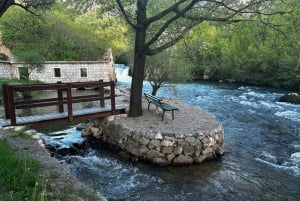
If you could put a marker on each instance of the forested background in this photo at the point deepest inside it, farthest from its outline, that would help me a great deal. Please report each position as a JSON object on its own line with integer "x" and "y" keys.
{"x": 259, "y": 52}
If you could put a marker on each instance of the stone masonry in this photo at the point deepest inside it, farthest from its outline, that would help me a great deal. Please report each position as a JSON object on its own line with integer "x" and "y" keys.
{"x": 193, "y": 137}
{"x": 69, "y": 71}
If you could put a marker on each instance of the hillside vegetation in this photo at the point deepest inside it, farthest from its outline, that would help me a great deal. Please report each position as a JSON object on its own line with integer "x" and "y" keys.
{"x": 259, "y": 51}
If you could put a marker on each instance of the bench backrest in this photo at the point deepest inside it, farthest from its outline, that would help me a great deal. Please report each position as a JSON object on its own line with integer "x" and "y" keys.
{"x": 151, "y": 97}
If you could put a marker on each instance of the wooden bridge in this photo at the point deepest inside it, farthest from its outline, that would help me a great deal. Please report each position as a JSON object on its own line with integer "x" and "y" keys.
{"x": 63, "y": 102}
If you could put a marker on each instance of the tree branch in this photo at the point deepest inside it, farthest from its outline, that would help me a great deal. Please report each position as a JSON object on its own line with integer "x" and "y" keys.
{"x": 179, "y": 14}
{"x": 159, "y": 49}
{"x": 122, "y": 9}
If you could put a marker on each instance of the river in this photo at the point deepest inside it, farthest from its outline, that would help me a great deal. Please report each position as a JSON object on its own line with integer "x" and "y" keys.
{"x": 262, "y": 139}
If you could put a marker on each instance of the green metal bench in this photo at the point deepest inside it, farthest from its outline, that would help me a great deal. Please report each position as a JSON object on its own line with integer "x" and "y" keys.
{"x": 159, "y": 103}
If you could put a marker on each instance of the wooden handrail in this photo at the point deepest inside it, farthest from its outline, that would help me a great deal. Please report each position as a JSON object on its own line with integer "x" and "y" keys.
{"x": 11, "y": 104}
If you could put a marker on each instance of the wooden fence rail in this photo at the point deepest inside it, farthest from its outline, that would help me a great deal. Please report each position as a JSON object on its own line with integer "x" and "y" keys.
{"x": 11, "y": 104}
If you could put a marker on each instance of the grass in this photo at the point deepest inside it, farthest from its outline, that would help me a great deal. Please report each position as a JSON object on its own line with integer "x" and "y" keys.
{"x": 18, "y": 180}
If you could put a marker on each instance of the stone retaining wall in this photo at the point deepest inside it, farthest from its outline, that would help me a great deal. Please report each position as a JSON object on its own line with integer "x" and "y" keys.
{"x": 159, "y": 147}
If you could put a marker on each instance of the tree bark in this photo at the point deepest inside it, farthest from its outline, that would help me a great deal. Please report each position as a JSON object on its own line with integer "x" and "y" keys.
{"x": 155, "y": 89}
{"x": 135, "y": 106}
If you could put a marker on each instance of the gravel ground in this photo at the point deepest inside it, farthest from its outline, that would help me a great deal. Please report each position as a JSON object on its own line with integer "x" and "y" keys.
{"x": 188, "y": 119}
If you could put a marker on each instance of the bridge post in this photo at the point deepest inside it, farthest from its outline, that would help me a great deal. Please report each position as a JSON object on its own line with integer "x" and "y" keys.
{"x": 112, "y": 97}
{"x": 101, "y": 93}
{"x": 60, "y": 99}
{"x": 12, "y": 109}
{"x": 69, "y": 102}
{"x": 6, "y": 100}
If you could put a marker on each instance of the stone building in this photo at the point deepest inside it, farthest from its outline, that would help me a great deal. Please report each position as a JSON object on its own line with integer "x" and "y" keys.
{"x": 64, "y": 71}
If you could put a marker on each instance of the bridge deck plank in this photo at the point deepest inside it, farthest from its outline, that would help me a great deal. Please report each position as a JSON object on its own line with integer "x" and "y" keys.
{"x": 35, "y": 119}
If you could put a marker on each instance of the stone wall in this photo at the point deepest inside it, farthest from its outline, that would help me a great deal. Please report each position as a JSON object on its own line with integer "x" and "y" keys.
{"x": 7, "y": 70}
{"x": 69, "y": 71}
{"x": 161, "y": 146}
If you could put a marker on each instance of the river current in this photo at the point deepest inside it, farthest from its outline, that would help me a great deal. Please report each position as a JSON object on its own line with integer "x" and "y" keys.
{"x": 262, "y": 139}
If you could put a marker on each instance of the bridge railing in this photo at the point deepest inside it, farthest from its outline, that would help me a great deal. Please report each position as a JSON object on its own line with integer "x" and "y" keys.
{"x": 11, "y": 104}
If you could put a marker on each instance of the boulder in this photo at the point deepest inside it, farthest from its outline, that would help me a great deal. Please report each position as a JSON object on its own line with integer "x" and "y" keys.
{"x": 290, "y": 98}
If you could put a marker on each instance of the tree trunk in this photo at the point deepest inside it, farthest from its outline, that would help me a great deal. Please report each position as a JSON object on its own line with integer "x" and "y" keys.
{"x": 135, "y": 106}
{"x": 155, "y": 89}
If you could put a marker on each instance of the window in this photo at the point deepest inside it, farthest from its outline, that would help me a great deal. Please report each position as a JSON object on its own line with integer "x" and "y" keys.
{"x": 57, "y": 72}
{"x": 83, "y": 72}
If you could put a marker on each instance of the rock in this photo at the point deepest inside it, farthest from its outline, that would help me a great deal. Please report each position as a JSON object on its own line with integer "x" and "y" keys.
{"x": 208, "y": 152}
{"x": 200, "y": 159}
{"x": 167, "y": 143}
{"x": 86, "y": 132}
{"x": 183, "y": 160}
{"x": 170, "y": 157}
{"x": 144, "y": 141}
{"x": 154, "y": 143}
{"x": 220, "y": 150}
{"x": 153, "y": 154}
{"x": 178, "y": 150}
{"x": 158, "y": 136}
{"x": 19, "y": 128}
{"x": 96, "y": 132}
{"x": 143, "y": 150}
{"x": 31, "y": 132}
{"x": 290, "y": 98}
{"x": 188, "y": 150}
{"x": 167, "y": 150}
{"x": 160, "y": 161}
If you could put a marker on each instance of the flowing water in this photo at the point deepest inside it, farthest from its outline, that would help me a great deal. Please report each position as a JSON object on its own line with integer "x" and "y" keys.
{"x": 262, "y": 137}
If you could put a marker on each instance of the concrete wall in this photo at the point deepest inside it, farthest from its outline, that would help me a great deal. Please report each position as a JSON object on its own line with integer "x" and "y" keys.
{"x": 65, "y": 71}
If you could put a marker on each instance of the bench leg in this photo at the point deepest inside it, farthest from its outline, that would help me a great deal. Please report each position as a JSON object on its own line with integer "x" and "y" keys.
{"x": 173, "y": 114}
{"x": 163, "y": 115}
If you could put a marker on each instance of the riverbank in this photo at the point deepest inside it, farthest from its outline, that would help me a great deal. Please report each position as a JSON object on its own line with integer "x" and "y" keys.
{"x": 60, "y": 184}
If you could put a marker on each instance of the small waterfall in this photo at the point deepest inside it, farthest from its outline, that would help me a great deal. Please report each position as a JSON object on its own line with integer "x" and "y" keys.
{"x": 122, "y": 72}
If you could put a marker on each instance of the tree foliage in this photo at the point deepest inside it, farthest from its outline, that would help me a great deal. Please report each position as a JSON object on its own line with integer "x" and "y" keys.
{"x": 62, "y": 34}
{"x": 249, "y": 52}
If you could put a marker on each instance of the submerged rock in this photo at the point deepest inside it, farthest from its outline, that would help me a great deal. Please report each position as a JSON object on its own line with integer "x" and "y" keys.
{"x": 290, "y": 98}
